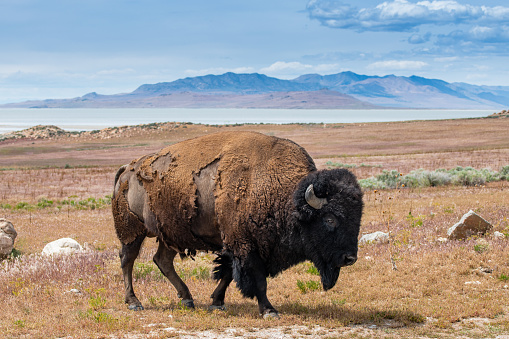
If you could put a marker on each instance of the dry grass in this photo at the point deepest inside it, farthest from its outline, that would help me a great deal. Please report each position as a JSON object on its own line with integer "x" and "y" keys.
{"x": 439, "y": 289}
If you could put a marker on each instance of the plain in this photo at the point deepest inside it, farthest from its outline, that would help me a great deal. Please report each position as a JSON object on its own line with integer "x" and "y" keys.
{"x": 417, "y": 285}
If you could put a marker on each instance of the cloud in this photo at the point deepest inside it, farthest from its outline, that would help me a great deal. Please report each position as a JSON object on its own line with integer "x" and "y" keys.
{"x": 419, "y": 39}
{"x": 282, "y": 68}
{"x": 403, "y": 15}
{"x": 398, "y": 65}
{"x": 476, "y": 40}
{"x": 446, "y": 59}
{"x": 116, "y": 72}
{"x": 218, "y": 70}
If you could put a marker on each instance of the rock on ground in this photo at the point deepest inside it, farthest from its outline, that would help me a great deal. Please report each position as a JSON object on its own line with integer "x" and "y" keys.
{"x": 470, "y": 224}
{"x": 499, "y": 235}
{"x": 7, "y": 236}
{"x": 62, "y": 246}
{"x": 374, "y": 237}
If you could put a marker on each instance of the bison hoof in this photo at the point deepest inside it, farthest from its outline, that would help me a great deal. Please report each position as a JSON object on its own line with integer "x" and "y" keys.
{"x": 136, "y": 307}
{"x": 187, "y": 303}
{"x": 270, "y": 314}
{"x": 215, "y": 307}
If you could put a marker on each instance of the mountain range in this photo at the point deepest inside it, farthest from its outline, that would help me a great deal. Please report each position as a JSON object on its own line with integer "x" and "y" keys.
{"x": 346, "y": 90}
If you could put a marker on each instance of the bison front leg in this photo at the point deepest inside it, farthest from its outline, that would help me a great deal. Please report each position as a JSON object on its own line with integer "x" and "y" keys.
{"x": 128, "y": 255}
{"x": 264, "y": 306}
{"x": 164, "y": 260}
{"x": 252, "y": 282}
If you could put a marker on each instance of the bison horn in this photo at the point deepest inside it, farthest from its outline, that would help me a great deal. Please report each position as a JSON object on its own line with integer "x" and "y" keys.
{"x": 313, "y": 200}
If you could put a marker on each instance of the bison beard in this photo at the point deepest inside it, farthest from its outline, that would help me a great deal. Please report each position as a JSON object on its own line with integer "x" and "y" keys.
{"x": 257, "y": 201}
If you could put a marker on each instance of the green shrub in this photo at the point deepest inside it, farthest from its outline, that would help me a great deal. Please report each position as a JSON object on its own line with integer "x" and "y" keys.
{"x": 465, "y": 176}
{"x": 417, "y": 221}
{"x": 85, "y": 204}
{"x": 311, "y": 269}
{"x": 142, "y": 270}
{"x": 503, "y": 277}
{"x": 200, "y": 273}
{"x": 331, "y": 164}
{"x": 504, "y": 173}
{"x": 22, "y": 205}
{"x": 481, "y": 248}
{"x": 310, "y": 285}
{"x": 43, "y": 203}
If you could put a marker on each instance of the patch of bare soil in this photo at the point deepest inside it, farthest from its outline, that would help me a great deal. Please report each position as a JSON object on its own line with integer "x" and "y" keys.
{"x": 470, "y": 328}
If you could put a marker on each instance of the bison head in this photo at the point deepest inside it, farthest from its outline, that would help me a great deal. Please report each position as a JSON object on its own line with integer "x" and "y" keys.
{"x": 329, "y": 209}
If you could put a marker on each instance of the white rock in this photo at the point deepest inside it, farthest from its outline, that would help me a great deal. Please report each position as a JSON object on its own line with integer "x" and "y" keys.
{"x": 498, "y": 234}
{"x": 442, "y": 240}
{"x": 374, "y": 237}
{"x": 470, "y": 224}
{"x": 62, "y": 246}
{"x": 472, "y": 283}
{"x": 7, "y": 236}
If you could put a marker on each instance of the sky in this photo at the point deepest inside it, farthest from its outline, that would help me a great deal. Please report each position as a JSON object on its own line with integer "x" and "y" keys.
{"x": 65, "y": 49}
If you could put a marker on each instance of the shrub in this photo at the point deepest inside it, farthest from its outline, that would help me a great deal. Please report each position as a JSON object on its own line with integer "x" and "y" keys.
{"x": 481, "y": 248}
{"x": 423, "y": 178}
{"x": 331, "y": 164}
{"x": 43, "y": 203}
{"x": 465, "y": 176}
{"x": 503, "y": 277}
{"x": 86, "y": 204}
{"x": 142, "y": 270}
{"x": 311, "y": 269}
{"x": 22, "y": 205}
{"x": 198, "y": 273}
{"x": 310, "y": 285}
{"x": 504, "y": 173}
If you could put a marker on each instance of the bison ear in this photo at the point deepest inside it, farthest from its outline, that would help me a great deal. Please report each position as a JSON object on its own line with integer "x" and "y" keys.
{"x": 313, "y": 200}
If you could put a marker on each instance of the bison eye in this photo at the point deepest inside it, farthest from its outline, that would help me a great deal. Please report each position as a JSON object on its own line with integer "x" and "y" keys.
{"x": 330, "y": 221}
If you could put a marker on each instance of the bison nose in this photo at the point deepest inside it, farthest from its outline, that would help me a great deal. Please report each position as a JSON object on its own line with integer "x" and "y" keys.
{"x": 349, "y": 259}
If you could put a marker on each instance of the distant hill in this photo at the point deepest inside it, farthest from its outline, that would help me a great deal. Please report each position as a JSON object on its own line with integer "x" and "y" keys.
{"x": 229, "y": 82}
{"x": 342, "y": 90}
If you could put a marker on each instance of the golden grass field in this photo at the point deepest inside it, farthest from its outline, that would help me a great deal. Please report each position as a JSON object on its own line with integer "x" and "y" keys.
{"x": 439, "y": 290}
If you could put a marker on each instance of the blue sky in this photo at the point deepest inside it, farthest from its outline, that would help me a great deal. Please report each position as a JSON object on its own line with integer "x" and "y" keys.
{"x": 62, "y": 48}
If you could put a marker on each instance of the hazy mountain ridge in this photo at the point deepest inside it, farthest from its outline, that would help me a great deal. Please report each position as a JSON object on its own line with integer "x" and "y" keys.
{"x": 342, "y": 90}
{"x": 229, "y": 82}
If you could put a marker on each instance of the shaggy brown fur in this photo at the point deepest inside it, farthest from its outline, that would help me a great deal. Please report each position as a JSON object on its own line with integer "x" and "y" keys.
{"x": 243, "y": 195}
{"x": 127, "y": 224}
{"x": 169, "y": 180}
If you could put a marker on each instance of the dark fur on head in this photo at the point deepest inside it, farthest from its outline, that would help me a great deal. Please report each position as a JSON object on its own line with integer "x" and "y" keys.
{"x": 325, "y": 245}
{"x": 326, "y": 184}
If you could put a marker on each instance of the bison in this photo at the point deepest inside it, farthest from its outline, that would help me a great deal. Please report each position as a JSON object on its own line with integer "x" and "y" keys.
{"x": 257, "y": 201}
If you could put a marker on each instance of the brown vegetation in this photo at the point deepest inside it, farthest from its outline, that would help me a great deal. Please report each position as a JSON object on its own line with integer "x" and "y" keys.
{"x": 440, "y": 289}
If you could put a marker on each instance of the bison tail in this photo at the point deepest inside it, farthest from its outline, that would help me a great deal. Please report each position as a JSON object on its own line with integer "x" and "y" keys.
{"x": 223, "y": 266}
{"x": 119, "y": 172}
{"x": 117, "y": 176}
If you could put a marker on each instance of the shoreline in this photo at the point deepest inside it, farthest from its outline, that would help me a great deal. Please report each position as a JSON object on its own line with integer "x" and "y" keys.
{"x": 13, "y": 120}
{"x": 102, "y": 131}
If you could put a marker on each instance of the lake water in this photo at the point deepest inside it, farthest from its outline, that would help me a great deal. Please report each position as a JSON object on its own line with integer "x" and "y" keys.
{"x": 78, "y": 119}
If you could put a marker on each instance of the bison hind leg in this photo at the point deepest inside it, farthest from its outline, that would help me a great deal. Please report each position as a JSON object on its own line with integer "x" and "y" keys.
{"x": 128, "y": 255}
{"x": 164, "y": 260}
{"x": 223, "y": 273}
